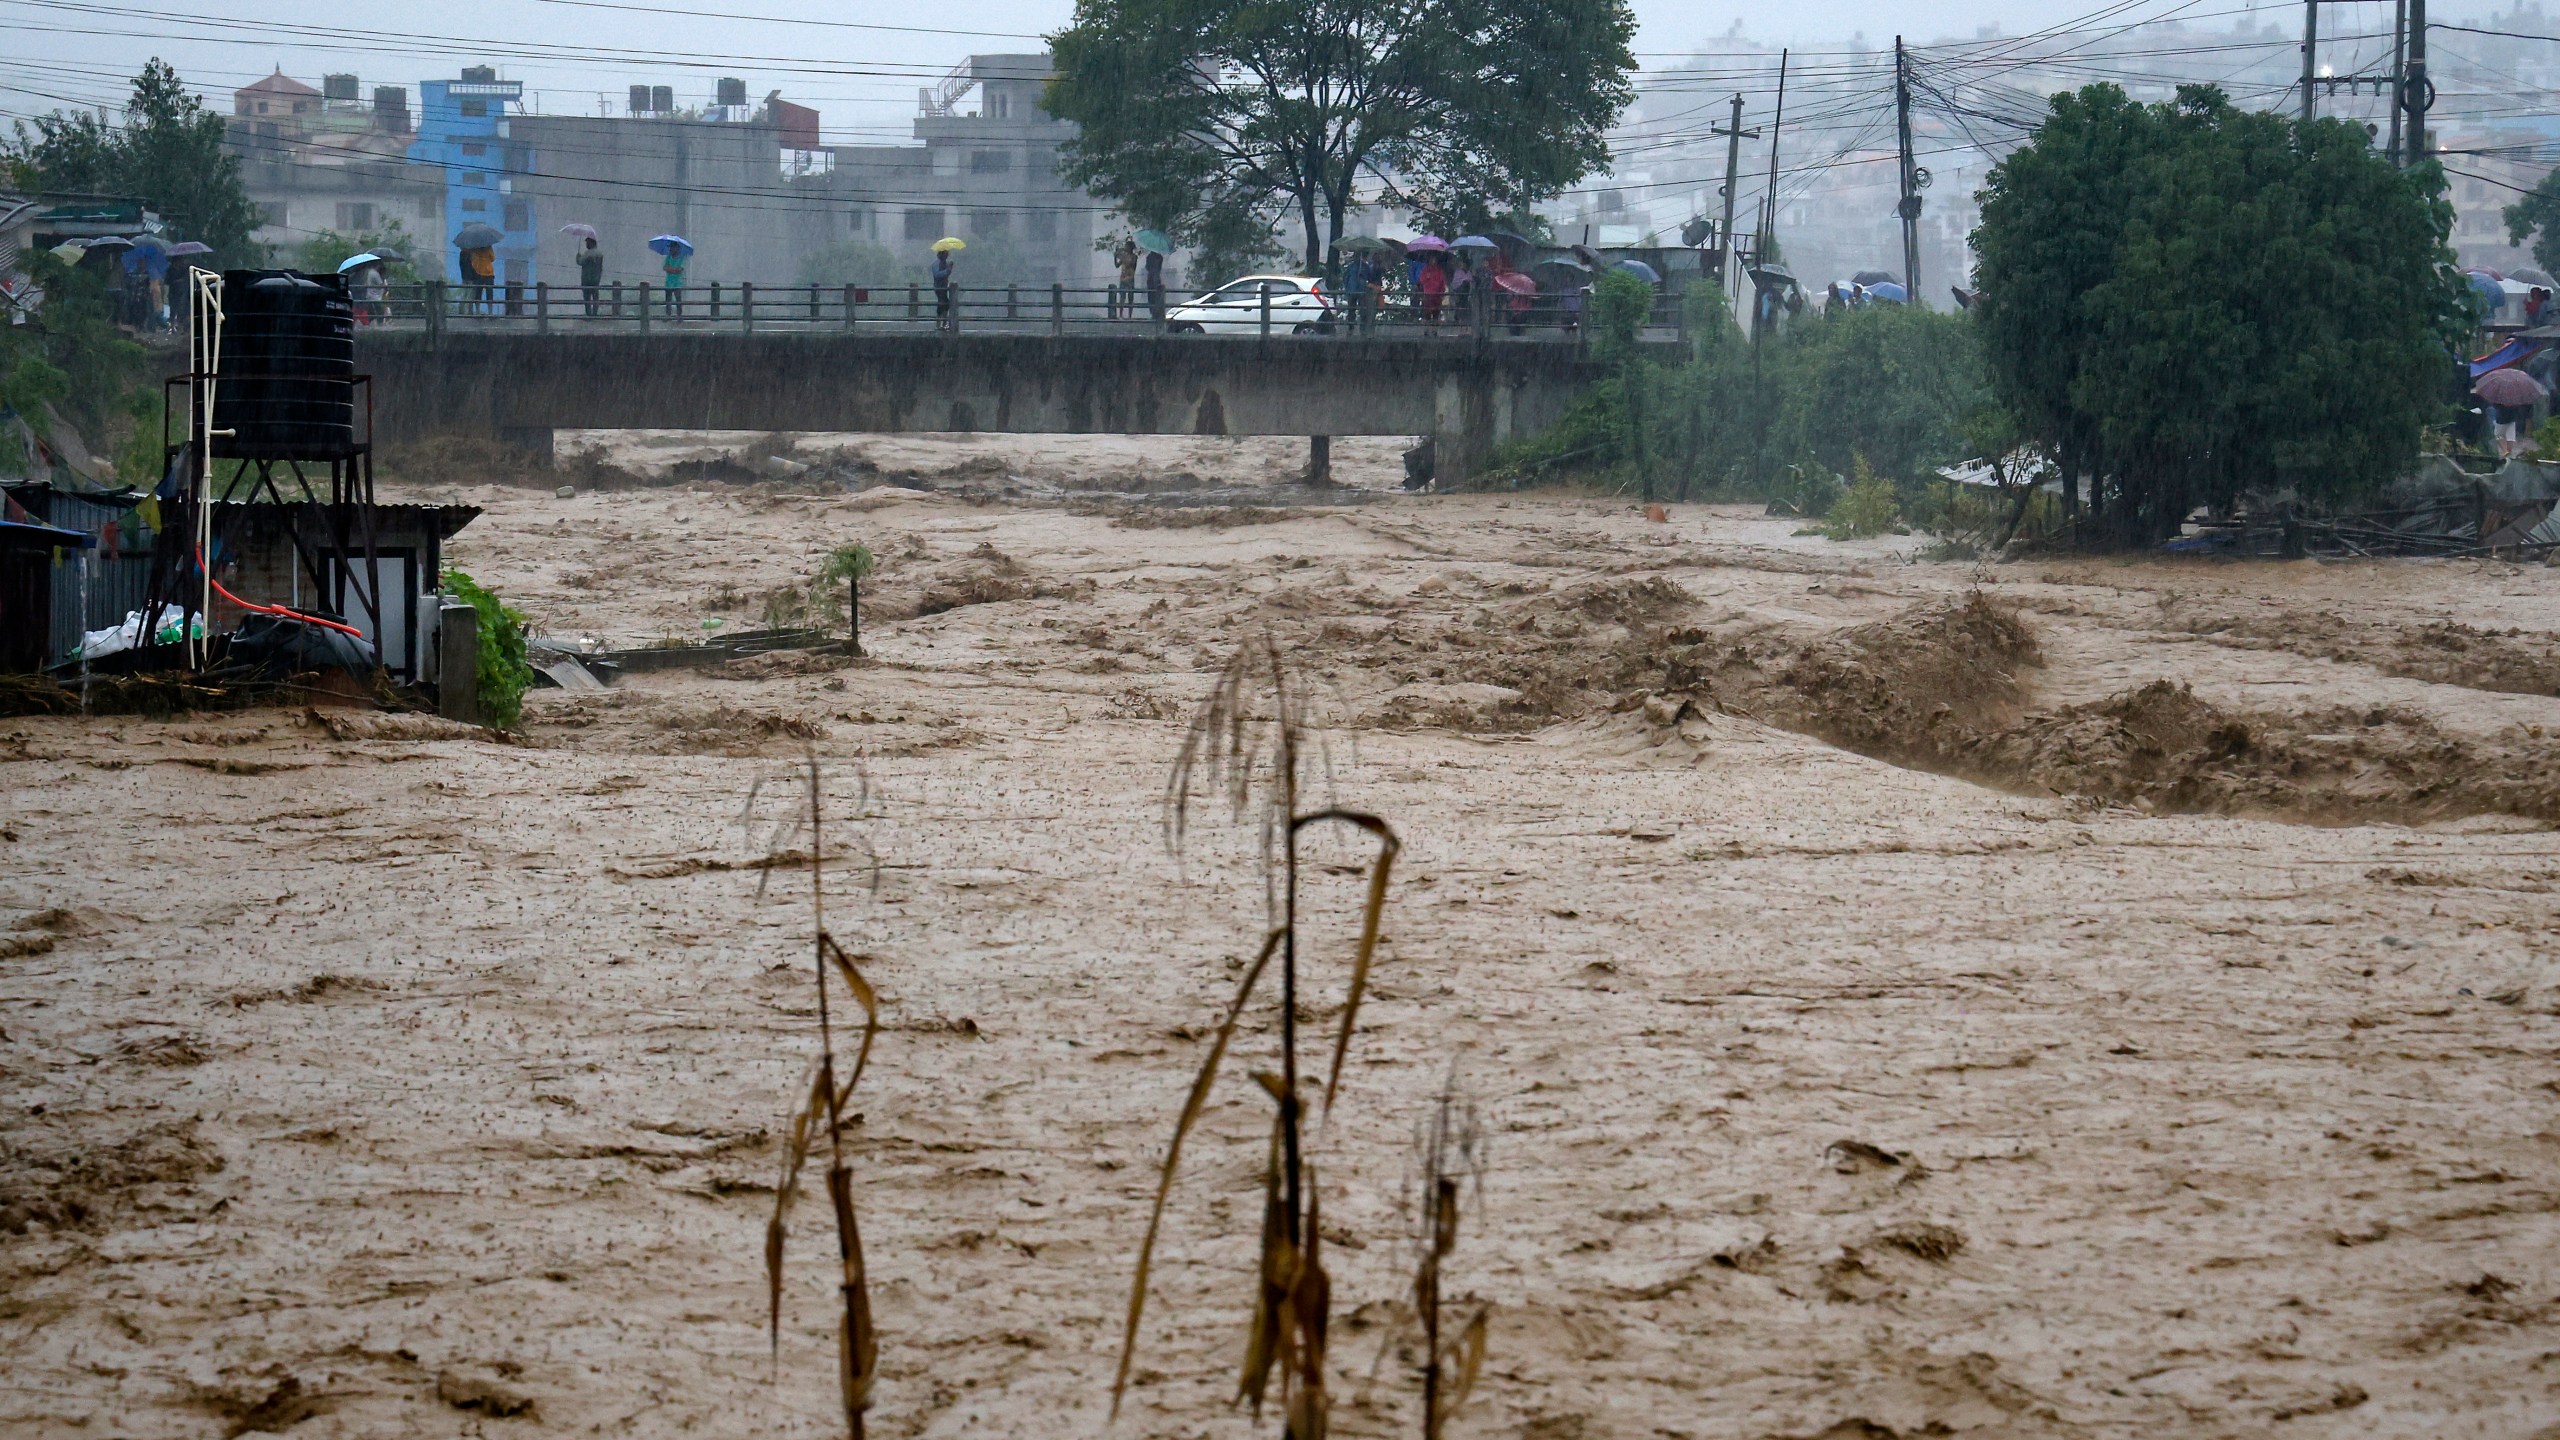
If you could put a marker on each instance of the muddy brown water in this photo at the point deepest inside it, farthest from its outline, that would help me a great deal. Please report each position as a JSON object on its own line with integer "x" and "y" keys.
{"x": 2073, "y": 998}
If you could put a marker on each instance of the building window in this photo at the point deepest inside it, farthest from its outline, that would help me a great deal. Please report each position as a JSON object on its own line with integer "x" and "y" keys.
{"x": 475, "y": 207}
{"x": 354, "y": 216}
{"x": 475, "y": 149}
{"x": 428, "y": 207}
{"x": 474, "y": 109}
{"x": 1040, "y": 225}
{"x": 990, "y": 224}
{"x": 990, "y": 162}
{"x": 271, "y": 212}
{"x": 924, "y": 224}
{"x": 475, "y": 177}
{"x": 519, "y": 215}
{"x": 858, "y": 221}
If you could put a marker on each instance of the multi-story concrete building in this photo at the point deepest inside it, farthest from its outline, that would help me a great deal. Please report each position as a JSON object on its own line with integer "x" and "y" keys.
{"x": 988, "y": 176}
{"x": 315, "y": 161}
{"x": 753, "y": 186}
{"x": 466, "y": 134}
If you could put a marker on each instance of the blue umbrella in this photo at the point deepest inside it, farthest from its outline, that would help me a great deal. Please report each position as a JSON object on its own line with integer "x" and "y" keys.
{"x": 670, "y": 244}
{"x": 1889, "y": 290}
{"x": 2492, "y": 294}
{"x": 1640, "y": 270}
{"x": 370, "y": 257}
{"x": 1472, "y": 242}
{"x": 1155, "y": 241}
{"x": 148, "y": 255}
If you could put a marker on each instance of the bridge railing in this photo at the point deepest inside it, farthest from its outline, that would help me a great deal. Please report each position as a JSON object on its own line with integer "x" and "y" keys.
{"x": 1005, "y": 309}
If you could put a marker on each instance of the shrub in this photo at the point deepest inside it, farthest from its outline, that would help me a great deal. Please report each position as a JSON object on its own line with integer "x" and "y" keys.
{"x": 503, "y": 675}
{"x": 1868, "y": 507}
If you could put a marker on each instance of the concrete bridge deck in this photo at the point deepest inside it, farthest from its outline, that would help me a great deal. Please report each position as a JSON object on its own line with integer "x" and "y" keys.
{"x": 1470, "y": 395}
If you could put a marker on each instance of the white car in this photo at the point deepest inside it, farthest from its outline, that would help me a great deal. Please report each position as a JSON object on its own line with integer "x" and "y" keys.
{"x": 1299, "y": 306}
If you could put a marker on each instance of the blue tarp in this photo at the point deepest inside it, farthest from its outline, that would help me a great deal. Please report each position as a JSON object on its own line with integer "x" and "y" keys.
{"x": 2505, "y": 355}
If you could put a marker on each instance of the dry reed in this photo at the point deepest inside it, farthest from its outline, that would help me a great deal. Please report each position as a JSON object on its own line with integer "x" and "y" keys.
{"x": 857, "y": 1349}
{"x": 1248, "y": 740}
{"x": 1451, "y": 1150}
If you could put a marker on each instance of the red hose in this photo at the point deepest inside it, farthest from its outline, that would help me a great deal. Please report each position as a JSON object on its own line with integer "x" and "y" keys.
{"x": 278, "y": 610}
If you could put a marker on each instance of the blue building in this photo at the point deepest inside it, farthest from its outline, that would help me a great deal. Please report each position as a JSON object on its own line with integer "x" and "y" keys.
{"x": 463, "y": 128}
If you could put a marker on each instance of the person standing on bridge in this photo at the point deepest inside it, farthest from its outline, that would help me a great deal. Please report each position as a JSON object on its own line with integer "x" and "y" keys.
{"x": 1433, "y": 286}
{"x": 1360, "y": 280}
{"x": 942, "y": 271}
{"x": 1155, "y": 285}
{"x": 673, "y": 269}
{"x": 479, "y": 278}
{"x": 1124, "y": 296}
{"x": 590, "y": 274}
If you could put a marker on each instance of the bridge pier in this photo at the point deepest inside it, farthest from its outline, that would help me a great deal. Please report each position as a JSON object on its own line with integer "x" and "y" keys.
{"x": 520, "y": 386}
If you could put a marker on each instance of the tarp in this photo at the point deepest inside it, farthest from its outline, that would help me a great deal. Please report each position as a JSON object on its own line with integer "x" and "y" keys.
{"x": 2504, "y": 356}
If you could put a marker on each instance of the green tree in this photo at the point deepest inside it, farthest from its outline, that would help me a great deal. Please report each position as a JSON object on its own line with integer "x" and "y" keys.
{"x": 1892, "y": 386}
{"x": 323, "y": 253}
{"x": 2537, "y": 217}
{"x": 2186, "y": 301}
{"x": 71, "y": 358}
{"x": 168, "y": 153}
{"x": 1229, "y": 119}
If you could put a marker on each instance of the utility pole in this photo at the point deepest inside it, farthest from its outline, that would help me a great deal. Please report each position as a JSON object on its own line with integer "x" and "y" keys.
{"x": 1734, "y": 134}
{"x": 2399, "y": 64}
{"x": 1769, "y": 214}
{"x": 1909, "y": 208}
{"x": 2416, "y": 91}
{"x": 2310, "y": 52}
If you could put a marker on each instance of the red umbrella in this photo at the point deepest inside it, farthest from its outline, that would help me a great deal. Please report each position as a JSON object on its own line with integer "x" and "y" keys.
{"x": 2509, "y": 387}
{"x": 1516, "y": 283}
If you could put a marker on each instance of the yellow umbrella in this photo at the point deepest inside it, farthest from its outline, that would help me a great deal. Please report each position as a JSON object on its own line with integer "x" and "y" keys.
{"x": 949, "y": 243}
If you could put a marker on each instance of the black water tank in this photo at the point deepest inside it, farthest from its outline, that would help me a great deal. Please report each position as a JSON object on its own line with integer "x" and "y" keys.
{"x": 288, "y": 356}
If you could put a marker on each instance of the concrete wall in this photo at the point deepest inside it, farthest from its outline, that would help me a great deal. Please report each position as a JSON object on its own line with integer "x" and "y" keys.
{"x": 1471, "y": 396}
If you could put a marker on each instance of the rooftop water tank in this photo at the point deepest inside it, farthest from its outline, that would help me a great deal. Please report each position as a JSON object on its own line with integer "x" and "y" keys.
{"x": 288, "y": 366}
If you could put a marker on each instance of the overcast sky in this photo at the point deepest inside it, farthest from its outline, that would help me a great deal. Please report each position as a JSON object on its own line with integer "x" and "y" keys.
{"x": 863, "y": 80}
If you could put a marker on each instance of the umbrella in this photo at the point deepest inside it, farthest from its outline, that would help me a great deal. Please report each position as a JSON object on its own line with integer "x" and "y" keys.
{"x": 2492, "y": 294}
{"x": 1364, "y": 243}
{"x": 1563, "y": 261}
{"x": 1875, "y": 277}
{"x": 2509, "y": 387}
{"x": 2485, "y": 271}
{"x": 1472, "y": 242}
{"x": 477, "y": 235}
{"x": 151, "y": 259}
{"x": 2531, "y": 276}
{"x": 1516, "y": 283}
{"x": 579, "y": 230}
{"x": 68, "y": 252}
{"x": 670, "y": 244}
{"x": 1425, "y": 244}
{"x": 949, "y": 243}
{"x": 357, "y": 262}
{"x": 1889, "y": 290}
{"x": 1154, "y": 241}
{"x": 190, "y": 247}
{"x": 109, "y": 242}
{"x": 1640, "y": 270}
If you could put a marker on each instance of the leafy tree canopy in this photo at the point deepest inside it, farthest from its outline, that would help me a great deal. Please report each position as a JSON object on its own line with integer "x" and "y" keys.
{"x": 324, "y": 252}
{"x": 2537, "y": 217}
{"x": 2186, "y": 301}
{"x": 1221, "y": 121}
{"x": 167, "y": 153}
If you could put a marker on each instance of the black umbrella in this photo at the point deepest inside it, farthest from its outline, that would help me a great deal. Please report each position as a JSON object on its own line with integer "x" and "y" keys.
{"x": 477, "y": 235}
{"x": 1875, "y": 277}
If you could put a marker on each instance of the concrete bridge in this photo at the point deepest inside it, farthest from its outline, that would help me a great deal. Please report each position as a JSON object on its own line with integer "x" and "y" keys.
{"x": 1469, "y": 394}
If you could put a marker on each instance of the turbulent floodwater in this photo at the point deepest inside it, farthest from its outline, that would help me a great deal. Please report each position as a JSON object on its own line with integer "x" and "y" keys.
{"x": 2080, "y": 998}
